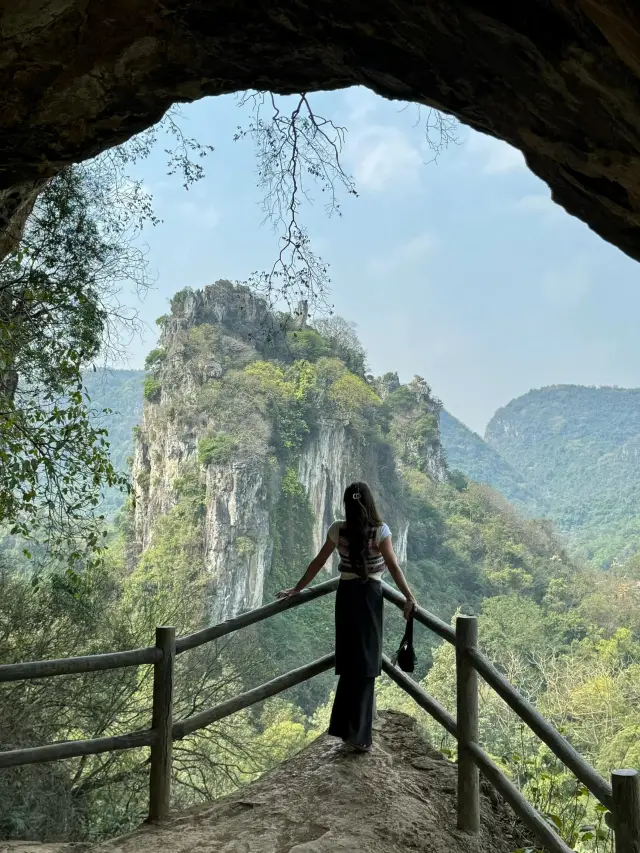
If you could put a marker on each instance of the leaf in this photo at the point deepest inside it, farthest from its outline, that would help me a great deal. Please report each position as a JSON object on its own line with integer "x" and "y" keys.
{"x": 556, "y": 820}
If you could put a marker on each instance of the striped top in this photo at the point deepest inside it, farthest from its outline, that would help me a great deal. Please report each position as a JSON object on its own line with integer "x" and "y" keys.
{"x": 374, "y": 561}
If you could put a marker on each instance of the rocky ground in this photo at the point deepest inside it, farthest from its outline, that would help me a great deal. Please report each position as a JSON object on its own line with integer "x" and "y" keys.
{"x": 400, "y": 797}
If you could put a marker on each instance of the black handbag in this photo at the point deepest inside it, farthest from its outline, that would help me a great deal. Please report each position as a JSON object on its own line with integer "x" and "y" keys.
{"x": 405, "y": 657}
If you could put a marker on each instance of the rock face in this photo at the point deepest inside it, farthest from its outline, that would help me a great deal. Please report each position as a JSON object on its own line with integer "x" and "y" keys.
{"x": 400, "y": 797}
{"x": 198, "y": 393}
{"x": 560, "y": 81}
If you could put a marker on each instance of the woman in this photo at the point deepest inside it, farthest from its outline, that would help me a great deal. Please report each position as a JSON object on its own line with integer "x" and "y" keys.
{"x": 363, "y": 541}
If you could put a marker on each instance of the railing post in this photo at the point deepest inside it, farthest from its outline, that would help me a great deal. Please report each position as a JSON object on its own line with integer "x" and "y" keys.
{"x": 625, "y": 785}
{"x": 467, "y": 719}
{"x": 162, "y": 722}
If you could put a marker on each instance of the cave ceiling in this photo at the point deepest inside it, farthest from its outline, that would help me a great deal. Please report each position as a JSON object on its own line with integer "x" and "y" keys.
{"x": 558, "y": 79}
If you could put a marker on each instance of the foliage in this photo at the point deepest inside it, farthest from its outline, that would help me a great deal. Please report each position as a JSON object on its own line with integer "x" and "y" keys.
{"x": 307, "y": 344}
{"x": 217, "y": 449}
{"x": 354, "y": 400}
{"x": 59, "y": 308}
{"x": 578, "y": 446}
{"x": 401, "y": 400}
{"x": 287, "y": 396}
{"x": 343, "y": 338}
{"x": 155, "y": 358}
{"x": 582, "y": 672}
{"x": 568, "y": 637}
{"x": 108, "y": 608}
{"x": 478, "y": 460}
{"x": 116, "y": 406}
{"x": 151, "y": 389}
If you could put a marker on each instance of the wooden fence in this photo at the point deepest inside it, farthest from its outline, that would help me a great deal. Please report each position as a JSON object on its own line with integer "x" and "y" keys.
{"x": 621, "y": 797}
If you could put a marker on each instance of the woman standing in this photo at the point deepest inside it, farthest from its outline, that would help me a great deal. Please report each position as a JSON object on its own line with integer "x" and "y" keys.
{"x": 363, "y": 541}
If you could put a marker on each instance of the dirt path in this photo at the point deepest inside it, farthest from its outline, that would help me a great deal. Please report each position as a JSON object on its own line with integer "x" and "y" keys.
{"x": 400, "y": 797}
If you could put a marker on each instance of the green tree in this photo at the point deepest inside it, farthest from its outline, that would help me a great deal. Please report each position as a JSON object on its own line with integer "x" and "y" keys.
{"x": 59, "y": 311}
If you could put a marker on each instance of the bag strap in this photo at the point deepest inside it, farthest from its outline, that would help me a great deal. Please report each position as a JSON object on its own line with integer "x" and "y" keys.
{"x": 408, "y": 633}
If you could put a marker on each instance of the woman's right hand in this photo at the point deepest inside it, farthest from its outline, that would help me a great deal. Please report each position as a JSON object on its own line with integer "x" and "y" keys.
{"x": 410, "y": 605}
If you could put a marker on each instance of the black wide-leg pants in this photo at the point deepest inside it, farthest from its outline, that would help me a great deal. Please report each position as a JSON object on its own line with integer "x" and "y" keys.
{"x": 358, "y": 659}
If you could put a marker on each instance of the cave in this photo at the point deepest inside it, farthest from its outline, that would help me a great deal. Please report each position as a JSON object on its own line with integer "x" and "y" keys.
{"x": 557, "y": 79}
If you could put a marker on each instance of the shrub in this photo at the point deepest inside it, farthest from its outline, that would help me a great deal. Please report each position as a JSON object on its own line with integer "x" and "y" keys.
{"x": 151, "y": 389}
{"x": 458, "y": 480}
{"x": 200, "y": 341}
{"x": 307, "y": 344}
{"x": 178, "y": 300}
{"x": 353, "y": 397}
{"x": 401, "y": 400}
{"x": 342, "y": 338}
{"x": 288, "y": 395}
{"x": 425, "y": 430}
{"x": 155, "y": 358}
{"x": 216, "y": 449}
{"x": 329, "y": 370}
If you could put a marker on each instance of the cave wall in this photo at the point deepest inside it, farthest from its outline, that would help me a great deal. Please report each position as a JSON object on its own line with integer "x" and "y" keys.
{"x": 558, "y": 79}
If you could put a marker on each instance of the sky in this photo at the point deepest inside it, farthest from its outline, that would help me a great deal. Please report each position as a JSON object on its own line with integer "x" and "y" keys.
{"x": 461, "y": 270}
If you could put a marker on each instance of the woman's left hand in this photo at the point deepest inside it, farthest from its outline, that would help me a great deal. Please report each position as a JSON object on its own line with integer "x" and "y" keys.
{"x": 287, "y": 593}
{"x": 409, "y": 606}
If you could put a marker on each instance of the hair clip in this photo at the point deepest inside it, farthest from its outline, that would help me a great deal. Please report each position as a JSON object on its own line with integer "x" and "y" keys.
{"x": 356, "y": 496}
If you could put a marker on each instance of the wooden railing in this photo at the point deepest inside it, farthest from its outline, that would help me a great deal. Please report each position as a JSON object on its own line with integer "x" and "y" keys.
{"x": 621, "y": 797}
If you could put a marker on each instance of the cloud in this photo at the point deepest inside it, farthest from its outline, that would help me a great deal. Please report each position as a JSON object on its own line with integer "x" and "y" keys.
{"x": 381, "y": 157}
{"x": 415, "y": 249}
{"x": 568, "y": 286}
{"x": 205, "y": 216}
{"x": 540, "y": 205}
{"x": 498, "y": 158}
{"x": 360, "y": 102}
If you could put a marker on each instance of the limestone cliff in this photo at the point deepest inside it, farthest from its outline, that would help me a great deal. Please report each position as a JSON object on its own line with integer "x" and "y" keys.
{"x": 269, "y": 424}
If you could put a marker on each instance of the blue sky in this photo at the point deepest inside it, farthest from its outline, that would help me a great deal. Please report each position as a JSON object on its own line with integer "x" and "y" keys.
{"x": 462, "y": 271}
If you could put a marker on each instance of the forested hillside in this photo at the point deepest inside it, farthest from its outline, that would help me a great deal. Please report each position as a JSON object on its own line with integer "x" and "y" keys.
{"x": 579, "y": 449}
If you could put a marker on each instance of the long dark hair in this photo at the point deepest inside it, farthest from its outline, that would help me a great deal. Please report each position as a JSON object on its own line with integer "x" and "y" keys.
{"x": 362, "y": 518}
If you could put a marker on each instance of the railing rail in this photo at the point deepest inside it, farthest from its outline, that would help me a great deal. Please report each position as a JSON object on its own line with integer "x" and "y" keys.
{"x": 624, "y": 807}
{"x": 251, "y": 617}
{"x": 622, "y": 798}
{"x": 525, "y": 811}
{"x": 558, "y": 744}
{"x": 74, "y": 666}
{"x": 252, "y": 697}
{"x": 433, "y": 623}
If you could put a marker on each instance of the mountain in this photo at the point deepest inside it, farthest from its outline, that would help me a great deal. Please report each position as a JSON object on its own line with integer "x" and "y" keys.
{"x": 468, "y": 453}
{"x": 252, "y": 426}
{"x": 579, "y": 449}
